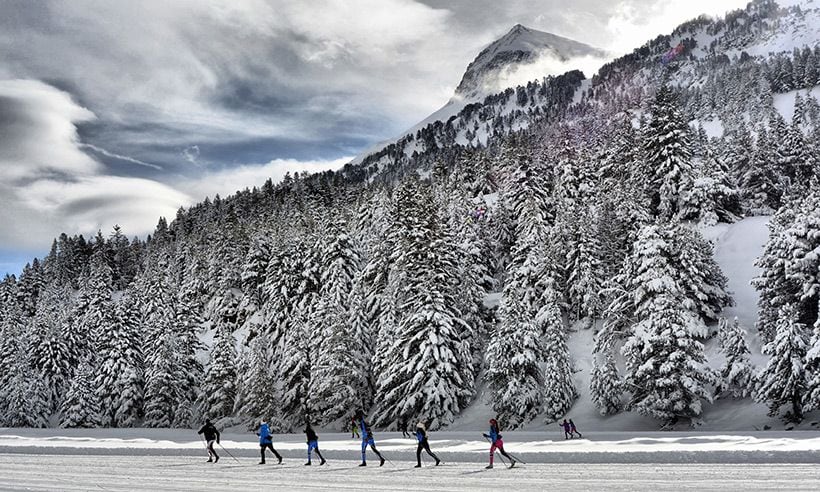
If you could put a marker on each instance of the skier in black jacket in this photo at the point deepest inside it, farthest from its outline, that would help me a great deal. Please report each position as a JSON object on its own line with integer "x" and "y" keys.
{"x": 312, "y": 443}
{"x": 211, "y": 435}
{"x": 421, "y": 436}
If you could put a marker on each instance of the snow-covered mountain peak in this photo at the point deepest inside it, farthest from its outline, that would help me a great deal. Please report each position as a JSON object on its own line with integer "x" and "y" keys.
{"x": 500, "y": 64}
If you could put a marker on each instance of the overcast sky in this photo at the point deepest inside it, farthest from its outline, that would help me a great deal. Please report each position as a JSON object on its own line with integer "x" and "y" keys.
{"x": 117, "y": 112}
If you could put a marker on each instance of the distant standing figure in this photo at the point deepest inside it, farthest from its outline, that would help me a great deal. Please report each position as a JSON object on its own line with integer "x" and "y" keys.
{"x": 567, "y": 429}
{"x": 266, "y": 442}
{"x": 403, "y": 428}
{"x": 421, "y": 436}
{"x": 572, "y": 429}
{"x": 354, "y": 428}
{"x": 211, "y": 434}
{"x": 312, "y": 443}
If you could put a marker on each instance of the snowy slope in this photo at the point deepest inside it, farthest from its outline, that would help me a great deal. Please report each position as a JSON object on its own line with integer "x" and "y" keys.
{"x": 520, "y": 56}
{"x": 736, "y": 248}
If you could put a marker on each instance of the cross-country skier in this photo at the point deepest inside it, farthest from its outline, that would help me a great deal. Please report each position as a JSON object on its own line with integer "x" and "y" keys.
{"x": 421, "y": 435}
{"x": 403, "y": 428}
{"x": 312, "y": 443}
{"x": 211, "y": 434}
{"x": 572, "y": 429}
{"x": 497, "y": 443}
{"x": 354, "y": 428}
{"x": 567, "y": 429}
{"x": 266, "y": 442}
{"x": 368, "y": 440}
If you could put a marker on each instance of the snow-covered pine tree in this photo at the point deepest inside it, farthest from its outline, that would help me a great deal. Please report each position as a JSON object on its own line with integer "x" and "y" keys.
{"x": 219, "y": 386}
{"x": 560, "y": 392}
{"x": 432, "y": 373}
{"x": 667, "y": 156}
{"x": 666, "y": 367}
{"x": 256, "y": 389}
{"x": 51, "y": 356}
{"x": 96, "y": 302}
{"x": 605, "y": 385}
{"x": 29, "y": 285}
{"x": 737, "y": 372}
{"x": 253, "y": 274}
{"x": 339, "y": 376}
{"x": 811, "y": 399}
{"x": 294, "y": 372}
{"x": 160, "y": 391}
{"x": 775, "y": 287}
{"x": 514, "y": 362}
{"x": 712, "y": 197}
{"x": 11, "y": 330}
{"x": 801, "y": 259}
{"x": 579, "y": 252}
{"x": 119, "y": 378}
{"x": 516, "y": 353}
{"x": 81, "y": 407}
{"x": 698, "y": 274}
{"x": 26, "y": 402}
{"x": 187, "y": 370}
{"x": 760, "y": 185}
{"x": 783, "y": 380}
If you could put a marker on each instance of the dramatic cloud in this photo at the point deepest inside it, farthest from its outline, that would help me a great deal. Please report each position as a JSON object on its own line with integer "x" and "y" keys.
{"x": 118, "y": 112}
{"x": 39, "y": 136}
{"x": 49, "y": 184}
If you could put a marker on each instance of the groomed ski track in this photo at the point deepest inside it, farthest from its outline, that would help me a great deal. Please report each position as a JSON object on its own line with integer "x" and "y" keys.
{"x": 161, "y": 473}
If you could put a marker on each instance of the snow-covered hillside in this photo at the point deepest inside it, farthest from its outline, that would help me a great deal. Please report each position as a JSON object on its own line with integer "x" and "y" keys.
{"x": 521, "y": 56}
{"x": 543, "y": 253}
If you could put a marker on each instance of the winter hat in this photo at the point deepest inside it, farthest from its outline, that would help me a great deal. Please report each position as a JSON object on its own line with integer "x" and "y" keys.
{"x": 262, "y": 422}
{"x": 493, "y": 422}
{"x": 421, "y": 426}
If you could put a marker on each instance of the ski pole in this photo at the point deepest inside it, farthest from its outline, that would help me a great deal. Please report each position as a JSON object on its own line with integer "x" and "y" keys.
{"x": 517, "y": 459}
{"x": 229, "y": 453}
{"x": 500, "y": 455}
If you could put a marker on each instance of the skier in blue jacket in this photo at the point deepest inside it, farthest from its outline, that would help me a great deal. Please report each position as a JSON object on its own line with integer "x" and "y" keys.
{"x": 421, "y": 436}
{"x": 266, "y": 442}
{"x": 367, "y": 440}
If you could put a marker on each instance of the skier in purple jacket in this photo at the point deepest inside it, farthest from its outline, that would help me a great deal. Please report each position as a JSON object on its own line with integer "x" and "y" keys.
{"x": 567, "y": 429}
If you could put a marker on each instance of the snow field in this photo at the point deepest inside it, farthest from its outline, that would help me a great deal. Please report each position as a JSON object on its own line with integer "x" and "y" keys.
{"x": 114, "y": 473}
